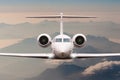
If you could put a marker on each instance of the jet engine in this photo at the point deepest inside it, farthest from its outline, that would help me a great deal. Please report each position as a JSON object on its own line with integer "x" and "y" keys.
{"x": 79, "y": 40}
{"x": 44, "y": 40}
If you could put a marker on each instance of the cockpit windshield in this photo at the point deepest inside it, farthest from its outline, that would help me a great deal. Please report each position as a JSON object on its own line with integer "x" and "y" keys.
{"x": 58, "y": 40}
{"x": 62, "y": 40}
{"x": 66, "y": 40}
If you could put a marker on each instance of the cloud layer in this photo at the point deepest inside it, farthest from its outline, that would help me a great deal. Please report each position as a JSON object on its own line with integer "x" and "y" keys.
{"x": 100, "y": 66}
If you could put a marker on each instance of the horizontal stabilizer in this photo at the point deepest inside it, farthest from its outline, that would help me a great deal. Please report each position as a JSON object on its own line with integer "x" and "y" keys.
{"x": 60, "y": 17}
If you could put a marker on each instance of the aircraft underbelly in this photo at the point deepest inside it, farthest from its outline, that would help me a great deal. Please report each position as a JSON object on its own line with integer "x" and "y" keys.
{"x": 62, "y": 55}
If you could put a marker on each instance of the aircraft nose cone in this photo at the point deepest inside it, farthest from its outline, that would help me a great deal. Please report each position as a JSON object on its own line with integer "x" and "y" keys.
{"x": 63, "y": 50}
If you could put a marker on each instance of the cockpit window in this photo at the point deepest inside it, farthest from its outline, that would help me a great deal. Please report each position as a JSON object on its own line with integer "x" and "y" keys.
{"x": 58, "y": 40}
{"x": 66, "y": 40}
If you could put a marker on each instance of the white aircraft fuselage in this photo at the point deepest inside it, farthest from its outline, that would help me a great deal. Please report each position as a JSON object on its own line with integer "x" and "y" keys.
{"x": 63, "y": 47}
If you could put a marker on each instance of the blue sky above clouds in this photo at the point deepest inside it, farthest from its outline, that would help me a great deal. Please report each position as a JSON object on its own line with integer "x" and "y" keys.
{"x": 12, "y": 9}
{"x": 55, "y": 5}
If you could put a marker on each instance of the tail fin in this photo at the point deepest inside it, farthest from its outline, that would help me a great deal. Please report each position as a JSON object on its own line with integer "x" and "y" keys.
{"x": 61, "y": 16}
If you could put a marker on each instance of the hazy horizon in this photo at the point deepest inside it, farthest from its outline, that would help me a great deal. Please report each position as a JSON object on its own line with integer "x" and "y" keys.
{"x": 15, "y": 11}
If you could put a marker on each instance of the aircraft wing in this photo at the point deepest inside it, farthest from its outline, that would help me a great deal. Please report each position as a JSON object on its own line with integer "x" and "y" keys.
{"x": 51, "y": 55}
{"x": 95, "y": 55}
{"x": 30, "y": 55}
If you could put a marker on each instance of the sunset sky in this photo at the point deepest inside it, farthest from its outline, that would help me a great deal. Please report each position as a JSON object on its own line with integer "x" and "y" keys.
{"x": 15, "y": 11}
{"x": 19, "y": 34}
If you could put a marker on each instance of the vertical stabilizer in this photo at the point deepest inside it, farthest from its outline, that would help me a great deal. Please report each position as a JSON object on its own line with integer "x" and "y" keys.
{"x": 61, "y": 23}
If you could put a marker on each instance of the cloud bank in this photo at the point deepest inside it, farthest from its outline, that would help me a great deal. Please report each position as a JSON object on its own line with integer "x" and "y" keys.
{"x": 100, "y": 66}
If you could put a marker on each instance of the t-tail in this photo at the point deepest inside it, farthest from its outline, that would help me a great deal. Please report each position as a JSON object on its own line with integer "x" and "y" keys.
{"x": 61, "y": 16}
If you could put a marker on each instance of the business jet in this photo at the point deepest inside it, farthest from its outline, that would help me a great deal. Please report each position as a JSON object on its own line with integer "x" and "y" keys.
{"x": 62, "y": 45}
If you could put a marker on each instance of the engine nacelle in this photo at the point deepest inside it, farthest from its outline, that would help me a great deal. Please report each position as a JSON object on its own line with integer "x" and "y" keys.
{"x": 79, "y": 40}
{"x": 44, "y": 40}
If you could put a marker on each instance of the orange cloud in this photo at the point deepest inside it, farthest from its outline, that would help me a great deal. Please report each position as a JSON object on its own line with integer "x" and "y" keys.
{"x": 100, "y": 66}
{"x": 7, "y": 42}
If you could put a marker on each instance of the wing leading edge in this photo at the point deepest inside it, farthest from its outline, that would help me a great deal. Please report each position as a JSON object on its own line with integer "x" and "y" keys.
{"x": 52, "y": 56}
{"x": 30, "y": 55}
{"x": 89, "y": 55}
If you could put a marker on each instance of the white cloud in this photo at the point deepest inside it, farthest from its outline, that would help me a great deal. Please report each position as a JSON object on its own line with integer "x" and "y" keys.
{"x": 57, "y": 62}
{"x": 100, "y": 66}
